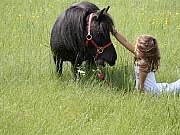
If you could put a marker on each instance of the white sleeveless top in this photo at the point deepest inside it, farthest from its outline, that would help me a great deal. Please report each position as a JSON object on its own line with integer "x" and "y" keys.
{"x": 150, "y": 84}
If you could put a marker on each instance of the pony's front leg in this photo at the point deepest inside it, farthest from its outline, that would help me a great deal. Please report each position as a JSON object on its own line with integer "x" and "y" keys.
{"x": 74, "y": 69}
{"x": 89, "y": 67}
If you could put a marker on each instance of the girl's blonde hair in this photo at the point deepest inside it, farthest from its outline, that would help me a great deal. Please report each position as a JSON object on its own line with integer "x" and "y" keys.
{"x": 147, "y": 51}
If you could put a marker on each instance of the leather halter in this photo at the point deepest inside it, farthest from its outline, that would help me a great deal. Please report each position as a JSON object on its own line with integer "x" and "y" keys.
{"x": 99, "y": 49}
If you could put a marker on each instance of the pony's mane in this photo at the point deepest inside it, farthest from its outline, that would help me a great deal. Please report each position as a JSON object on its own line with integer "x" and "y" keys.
{"x": 72, "y": 27}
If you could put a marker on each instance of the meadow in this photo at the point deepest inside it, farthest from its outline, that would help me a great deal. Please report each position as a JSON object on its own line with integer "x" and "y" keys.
{"x": 33, "y": 100}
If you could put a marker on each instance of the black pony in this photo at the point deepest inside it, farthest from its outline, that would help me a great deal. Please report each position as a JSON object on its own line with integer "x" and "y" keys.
{"x": 82, "y": 33}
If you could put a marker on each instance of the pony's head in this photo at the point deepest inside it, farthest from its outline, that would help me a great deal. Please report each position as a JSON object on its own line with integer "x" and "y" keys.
{"x": 98, "y": 41}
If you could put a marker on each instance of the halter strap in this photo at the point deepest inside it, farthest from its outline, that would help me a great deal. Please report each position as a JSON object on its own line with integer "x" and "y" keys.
{"x": 99, "y": 49}
{"x": 89, "y": 36}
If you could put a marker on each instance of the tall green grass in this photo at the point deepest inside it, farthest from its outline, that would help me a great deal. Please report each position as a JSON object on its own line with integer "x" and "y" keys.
{"x": 34, "y": 101}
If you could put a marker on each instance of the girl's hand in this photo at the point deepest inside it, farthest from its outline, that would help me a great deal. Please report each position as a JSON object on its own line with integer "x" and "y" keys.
{"x": 114, "y": 32}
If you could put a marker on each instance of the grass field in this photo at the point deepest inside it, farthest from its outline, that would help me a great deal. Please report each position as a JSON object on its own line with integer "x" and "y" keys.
{"x": 34, "y": 101}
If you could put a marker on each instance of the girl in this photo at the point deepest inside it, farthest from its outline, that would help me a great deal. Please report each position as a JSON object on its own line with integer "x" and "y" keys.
{"x": 147, "y": 60}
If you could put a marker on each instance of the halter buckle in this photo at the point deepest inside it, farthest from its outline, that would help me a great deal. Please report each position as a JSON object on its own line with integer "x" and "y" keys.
{"x": 89, "y": 37}
{"x": 100, "y": 50}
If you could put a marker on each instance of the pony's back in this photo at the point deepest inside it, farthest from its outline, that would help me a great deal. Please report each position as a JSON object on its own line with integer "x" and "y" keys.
{"x": 87, "y": 5}
{"x": 68, "y": 30}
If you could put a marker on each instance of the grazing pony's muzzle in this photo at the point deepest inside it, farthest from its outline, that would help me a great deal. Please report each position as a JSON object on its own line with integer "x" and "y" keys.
{"x": 112, "y": 63}
{"x": 100, "y": 62}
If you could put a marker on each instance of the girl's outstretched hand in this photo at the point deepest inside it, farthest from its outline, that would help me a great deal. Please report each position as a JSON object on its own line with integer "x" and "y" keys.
{"x": 114, "y": 32}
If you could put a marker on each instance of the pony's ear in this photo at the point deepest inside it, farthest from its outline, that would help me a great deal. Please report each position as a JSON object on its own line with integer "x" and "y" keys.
{"x": 107, "y": 9}
{"x": 99, "y": 13}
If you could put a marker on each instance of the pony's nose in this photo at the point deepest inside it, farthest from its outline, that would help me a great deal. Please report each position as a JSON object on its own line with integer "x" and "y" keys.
{"x": 100, "y": 62}
{"x": 112, "y": 63}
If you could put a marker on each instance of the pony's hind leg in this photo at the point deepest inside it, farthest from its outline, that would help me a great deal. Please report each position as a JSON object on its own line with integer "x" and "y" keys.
{"x": 58, "y": 62}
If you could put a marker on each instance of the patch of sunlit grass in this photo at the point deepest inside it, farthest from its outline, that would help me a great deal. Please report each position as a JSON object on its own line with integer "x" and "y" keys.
{"x": 35, "y": 101}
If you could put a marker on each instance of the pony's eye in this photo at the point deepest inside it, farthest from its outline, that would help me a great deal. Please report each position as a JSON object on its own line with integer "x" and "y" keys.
{"x": 99, "y": 33}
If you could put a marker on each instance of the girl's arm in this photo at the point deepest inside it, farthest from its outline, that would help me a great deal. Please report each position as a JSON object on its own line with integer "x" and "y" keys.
{"x": 142, "y": 78}
{"x": 123, "y": 41}
{"x": 143, "y": 71}
{"x": 131, "y": 48}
